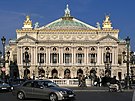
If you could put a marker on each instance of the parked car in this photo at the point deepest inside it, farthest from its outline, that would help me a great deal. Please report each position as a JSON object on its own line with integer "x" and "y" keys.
{"x": 16, "y": 82}
{"x": 43, "y": 89}
{"x": 5, "y": 86}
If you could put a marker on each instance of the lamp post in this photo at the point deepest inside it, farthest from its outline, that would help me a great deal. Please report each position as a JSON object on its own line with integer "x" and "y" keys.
{"x": 0, "y": 61}
{"x": 3, "y": 39}
{"x": 8, "y": 60}
{"x": 127, "y": 61}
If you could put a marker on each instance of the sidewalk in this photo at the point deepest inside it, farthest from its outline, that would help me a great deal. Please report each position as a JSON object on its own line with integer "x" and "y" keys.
{"x": 93, "y": 89}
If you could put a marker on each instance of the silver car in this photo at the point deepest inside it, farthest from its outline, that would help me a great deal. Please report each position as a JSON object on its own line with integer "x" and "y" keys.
{"x": 43, "y": 89}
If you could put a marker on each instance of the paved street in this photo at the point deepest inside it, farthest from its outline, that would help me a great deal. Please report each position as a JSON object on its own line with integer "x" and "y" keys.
{"x": 86, "y": 94}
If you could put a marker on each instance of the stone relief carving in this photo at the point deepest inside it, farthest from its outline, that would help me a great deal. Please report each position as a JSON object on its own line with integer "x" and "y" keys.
{"x": 54, "y": 36}
{"x": 80, "y": 36}
{"x": 67, "y": 36}
{"x": 42, "y": 36}
{"x": 93, "y": 36}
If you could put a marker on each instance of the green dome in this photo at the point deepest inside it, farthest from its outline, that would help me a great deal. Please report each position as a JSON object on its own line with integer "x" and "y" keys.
{"x": 68, "y": 23}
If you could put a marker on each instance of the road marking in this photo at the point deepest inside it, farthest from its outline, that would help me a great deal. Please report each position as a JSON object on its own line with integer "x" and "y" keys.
{"x": 133, "y": 98}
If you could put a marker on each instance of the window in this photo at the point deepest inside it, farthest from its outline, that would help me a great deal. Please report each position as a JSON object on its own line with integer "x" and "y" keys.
{"x": 37, "y": 84}
{"x": 28, "y": 84}
{"x": 80, "y": 57}
{"x": 54, "y": 58}
{"x": 41, "y": 57}
{"x": 92, "y": 57}
{"x": 67, "y": 58}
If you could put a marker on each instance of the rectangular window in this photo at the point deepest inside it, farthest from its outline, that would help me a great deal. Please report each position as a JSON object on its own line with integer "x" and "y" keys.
{"x": 54, "y": 58}
{"x": 92, "y": 57}
{"x": 80, "y": 58}
{"x": 67, "y": 58}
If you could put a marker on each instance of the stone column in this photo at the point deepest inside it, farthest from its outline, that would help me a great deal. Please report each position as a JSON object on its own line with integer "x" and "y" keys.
{"x": 72, "y": 50}
{"x": 31, "y": 55}
{"x": 102, "y": 56}
{"x": 98, "y": 55}
{"x": 113, "y": 55}
{"x": 87, "y": 57}
{"x": 36, "y": 54}
{"x": 21, "y": 58}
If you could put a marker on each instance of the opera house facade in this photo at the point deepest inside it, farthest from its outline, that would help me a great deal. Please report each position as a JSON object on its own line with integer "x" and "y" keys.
{"x": 68, "y": 47}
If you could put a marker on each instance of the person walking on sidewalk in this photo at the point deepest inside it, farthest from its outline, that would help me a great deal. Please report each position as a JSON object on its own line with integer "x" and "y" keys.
{"x": 79, "y": 80}
{"x": 83, "y": 81}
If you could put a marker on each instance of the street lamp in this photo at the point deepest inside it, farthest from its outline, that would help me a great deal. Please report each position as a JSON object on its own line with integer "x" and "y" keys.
{"x": 0, "y": 61}
{"x": 127, "y": 61}
{"x": 3, "y": 39}
{"x": 8, "y": 61}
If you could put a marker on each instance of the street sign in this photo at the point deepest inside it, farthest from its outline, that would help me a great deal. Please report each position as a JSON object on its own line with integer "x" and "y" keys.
{"x": 3, "y": 69}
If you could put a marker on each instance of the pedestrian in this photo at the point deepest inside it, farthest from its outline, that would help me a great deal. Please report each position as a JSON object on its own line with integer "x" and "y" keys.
{"x": 83, "y": 81}
{"x": 79, "y": 80}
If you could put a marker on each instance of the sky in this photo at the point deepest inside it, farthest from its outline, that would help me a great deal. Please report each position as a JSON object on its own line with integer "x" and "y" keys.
{"x": 122, "y": 14}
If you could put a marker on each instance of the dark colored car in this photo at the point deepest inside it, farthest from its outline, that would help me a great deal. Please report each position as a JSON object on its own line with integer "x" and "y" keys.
{"x": 5, "y": 86}
{"x": 16, "y": 82}
{"x": 43, "y": 89}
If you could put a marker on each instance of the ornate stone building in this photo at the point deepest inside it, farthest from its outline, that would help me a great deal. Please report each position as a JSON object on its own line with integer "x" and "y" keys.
{"x": 68, "y": 47}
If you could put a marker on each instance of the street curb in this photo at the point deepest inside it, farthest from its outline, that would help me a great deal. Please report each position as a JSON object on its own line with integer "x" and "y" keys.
{"x": 99, "y": 91}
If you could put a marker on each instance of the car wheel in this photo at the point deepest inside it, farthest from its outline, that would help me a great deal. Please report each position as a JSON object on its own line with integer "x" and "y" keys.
{"x": 53, "y": 97}
{"x": 20, "y": 95}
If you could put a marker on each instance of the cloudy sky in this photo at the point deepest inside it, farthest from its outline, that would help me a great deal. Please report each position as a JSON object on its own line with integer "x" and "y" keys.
{"x": 122, "y": 14}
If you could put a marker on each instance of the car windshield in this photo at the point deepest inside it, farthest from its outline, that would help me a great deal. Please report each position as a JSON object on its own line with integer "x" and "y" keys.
{"x": 50, "y": 84}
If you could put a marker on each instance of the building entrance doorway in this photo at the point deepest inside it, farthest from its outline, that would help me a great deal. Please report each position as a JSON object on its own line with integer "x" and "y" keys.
{"x": 79, "y": 72}
{"x": 54, "y": 74}
{"x": 67, "y": 74}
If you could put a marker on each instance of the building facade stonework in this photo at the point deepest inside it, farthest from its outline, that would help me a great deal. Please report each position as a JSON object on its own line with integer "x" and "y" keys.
{"x": 68, "y": 47}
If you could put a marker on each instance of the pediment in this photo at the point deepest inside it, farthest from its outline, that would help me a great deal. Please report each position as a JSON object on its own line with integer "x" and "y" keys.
{"x": 108, "y": 38}
{"x": 27, "y": 39}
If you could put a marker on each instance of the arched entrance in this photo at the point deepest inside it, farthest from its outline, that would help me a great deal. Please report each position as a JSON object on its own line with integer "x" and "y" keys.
{"x": 67, "y": 74}
{"x": 54, "y": 74}
{"x": 26, "y": 73}
{"x": 41, "y": 73}
{"x": 79, "y": 72}
{"x": 93, "y": 73}
{"x": 108, "y": 73}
